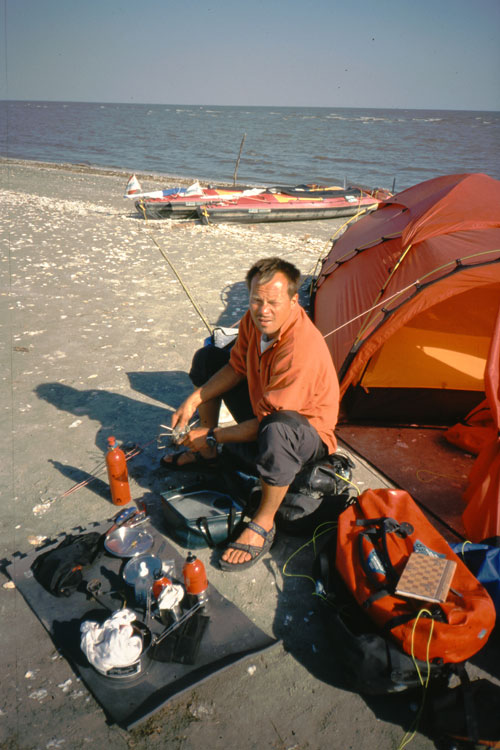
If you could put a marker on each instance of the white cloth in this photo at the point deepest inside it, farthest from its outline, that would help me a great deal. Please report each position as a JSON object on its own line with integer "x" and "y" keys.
{"x": 112, "y": 644}
{"x": 170, "y": 596}
{"x": 265, "y": 343}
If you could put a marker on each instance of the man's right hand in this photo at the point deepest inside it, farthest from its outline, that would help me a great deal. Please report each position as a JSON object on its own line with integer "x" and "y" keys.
{"x": 182, "y": 415}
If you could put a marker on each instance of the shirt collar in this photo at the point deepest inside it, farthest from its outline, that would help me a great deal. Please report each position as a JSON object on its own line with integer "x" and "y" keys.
{"x": 289, "y": 322}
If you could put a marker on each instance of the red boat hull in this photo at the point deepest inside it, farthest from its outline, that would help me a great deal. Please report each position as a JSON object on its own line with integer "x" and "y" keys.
{"x": 285, "y": 204}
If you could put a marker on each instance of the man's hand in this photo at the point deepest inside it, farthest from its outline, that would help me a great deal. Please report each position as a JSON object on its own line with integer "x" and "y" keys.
{"x": 195, "y": 440}
{"x": 182, "y": 415}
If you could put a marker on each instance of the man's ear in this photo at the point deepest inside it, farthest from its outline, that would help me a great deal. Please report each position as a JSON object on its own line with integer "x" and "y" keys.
{"x": 295, "y": 299}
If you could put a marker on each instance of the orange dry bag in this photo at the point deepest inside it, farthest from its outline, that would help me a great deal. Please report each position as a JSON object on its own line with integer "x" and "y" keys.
{"x": 376, "y": 536}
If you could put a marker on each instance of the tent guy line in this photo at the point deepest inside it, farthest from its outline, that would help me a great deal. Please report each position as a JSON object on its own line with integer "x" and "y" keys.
{"x": 456, "y": 263}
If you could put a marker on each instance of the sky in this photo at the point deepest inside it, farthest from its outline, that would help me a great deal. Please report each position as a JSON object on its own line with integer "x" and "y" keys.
{"x": 418, "y": 54}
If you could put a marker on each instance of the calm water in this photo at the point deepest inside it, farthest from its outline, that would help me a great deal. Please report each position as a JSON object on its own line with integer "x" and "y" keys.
{"x": 283, "y": 144}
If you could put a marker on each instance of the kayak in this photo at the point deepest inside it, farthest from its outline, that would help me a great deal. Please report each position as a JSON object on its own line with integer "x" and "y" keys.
{"x": 254, "y": 205}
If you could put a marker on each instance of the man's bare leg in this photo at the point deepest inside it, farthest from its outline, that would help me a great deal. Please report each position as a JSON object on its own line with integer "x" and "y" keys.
{"x": 269, "y": 504}
{"x": 209, "y": 413}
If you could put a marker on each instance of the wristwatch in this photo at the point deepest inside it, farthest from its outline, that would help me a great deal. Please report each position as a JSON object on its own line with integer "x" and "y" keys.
{"x": 210, "y": 439}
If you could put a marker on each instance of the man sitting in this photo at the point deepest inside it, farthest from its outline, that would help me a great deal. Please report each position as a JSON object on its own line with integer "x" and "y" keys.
{"x": 280, "y": 385}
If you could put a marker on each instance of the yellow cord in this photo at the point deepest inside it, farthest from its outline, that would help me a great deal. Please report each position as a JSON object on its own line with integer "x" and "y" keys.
{"x": 422, "y": 612}
{"x": 317, "y": 533}
{"x": 330, "y": 525}
{"x": 410, "y": 734}
{"x": 462, "y": 551}
{"x": 432, "y": 474}
{"x": 348, "y": 481}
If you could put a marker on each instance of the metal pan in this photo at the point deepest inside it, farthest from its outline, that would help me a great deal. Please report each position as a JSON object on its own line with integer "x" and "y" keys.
{"x": 128, "y": 542}
{"x": 131, "y": 569}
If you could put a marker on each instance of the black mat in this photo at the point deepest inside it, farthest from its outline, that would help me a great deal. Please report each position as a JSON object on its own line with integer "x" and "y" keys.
{"x": 228, "y": 637}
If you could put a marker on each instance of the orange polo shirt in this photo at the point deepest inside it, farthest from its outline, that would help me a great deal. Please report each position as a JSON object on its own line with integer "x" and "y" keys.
{"x": 296, "y": 372}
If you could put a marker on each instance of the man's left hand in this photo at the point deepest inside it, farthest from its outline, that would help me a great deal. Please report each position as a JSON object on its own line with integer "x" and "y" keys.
{"x": 195, "y": 440}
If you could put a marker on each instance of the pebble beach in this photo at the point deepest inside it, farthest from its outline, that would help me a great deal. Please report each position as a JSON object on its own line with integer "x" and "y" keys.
{"x": 97, "y": 338}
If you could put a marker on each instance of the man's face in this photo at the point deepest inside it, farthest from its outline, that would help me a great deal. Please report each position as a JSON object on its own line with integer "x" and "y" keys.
{"x": 270, "y": 304}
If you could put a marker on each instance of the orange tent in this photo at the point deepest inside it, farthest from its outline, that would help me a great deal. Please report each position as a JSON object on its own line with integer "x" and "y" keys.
{"x": 481, "y": 516}
{"x": 407, "y": 300}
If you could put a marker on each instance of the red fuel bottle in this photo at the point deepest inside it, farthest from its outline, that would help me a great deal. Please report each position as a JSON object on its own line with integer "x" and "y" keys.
{"x": 117, "y": 473}
{"x": 195, "y": 577}
{"x": 159, "y": 584}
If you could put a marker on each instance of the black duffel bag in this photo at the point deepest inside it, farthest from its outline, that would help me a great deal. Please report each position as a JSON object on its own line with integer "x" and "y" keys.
{"x": 319, "y": 493}
{"x": 369, "y": 661}
{"x": 60, "y": 570}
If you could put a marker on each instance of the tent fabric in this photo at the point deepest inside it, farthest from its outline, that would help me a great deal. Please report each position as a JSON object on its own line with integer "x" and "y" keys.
{"x": 476, "y": 430}
{"x": 364, "y": 261}
{"x": 408, "y": 297}
{"x": 482, "y": 515}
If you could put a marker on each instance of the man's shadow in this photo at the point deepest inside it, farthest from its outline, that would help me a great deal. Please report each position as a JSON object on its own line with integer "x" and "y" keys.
{"x": 133, "y": 422}
{"x": 234, "y": 297}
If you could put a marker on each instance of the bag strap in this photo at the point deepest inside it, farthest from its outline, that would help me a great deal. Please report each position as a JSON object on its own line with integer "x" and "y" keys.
{"x": 202, "y": 524}
{"x": 231, "y": 521}
{"x": 323, "y": 565}
{"x": 376, "y": 532}
{"x": 375, "y": 535}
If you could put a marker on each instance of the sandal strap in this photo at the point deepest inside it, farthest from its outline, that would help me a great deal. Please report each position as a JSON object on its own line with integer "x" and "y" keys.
{"x": 250, "y": 548}
{"x": 259, "y": 530}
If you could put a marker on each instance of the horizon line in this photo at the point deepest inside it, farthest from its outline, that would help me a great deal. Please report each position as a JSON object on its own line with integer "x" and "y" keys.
{"x": 250, "y": 106}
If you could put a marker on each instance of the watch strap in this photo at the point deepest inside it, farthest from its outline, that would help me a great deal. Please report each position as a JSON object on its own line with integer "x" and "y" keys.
{"x": 210, "y": 438}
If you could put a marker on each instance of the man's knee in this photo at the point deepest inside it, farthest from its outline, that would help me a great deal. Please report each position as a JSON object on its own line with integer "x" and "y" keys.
{"x": 284, "y": 430}
{"x": 286, "y": 442}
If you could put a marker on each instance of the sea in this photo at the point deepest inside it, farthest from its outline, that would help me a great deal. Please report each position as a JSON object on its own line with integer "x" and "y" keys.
{"x": 391, "y": 148}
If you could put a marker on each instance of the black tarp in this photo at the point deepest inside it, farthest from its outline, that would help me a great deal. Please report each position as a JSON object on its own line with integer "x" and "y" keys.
{"x": 228, "y": 638}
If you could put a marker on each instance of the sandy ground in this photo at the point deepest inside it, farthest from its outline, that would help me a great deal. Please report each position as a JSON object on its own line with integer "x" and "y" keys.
{"x": 97, "y": 337}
